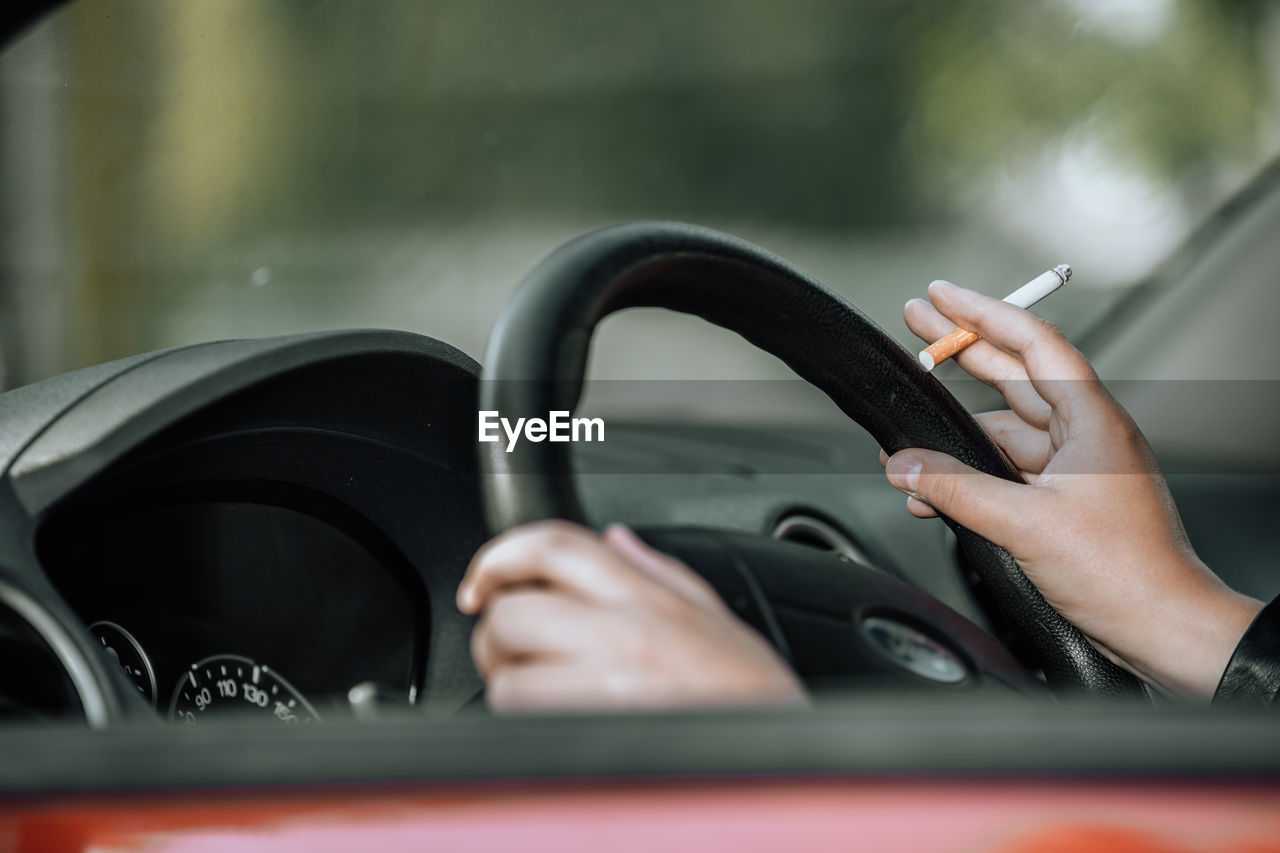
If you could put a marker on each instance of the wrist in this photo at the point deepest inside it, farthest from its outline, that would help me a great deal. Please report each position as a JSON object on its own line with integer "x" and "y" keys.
{"x": 1191, "y": 639}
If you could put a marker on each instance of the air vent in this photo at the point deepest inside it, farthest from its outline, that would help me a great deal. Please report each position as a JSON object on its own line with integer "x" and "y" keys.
{"x": 816, "y": 533}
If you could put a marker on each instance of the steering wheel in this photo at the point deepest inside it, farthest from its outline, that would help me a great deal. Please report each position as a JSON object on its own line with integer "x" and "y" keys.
{"x": 538, "y": 354}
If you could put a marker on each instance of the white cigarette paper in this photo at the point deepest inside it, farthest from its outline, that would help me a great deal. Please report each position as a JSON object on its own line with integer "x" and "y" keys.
{"x": 1040, "y": 286}
{"x": 1024, "y": 297}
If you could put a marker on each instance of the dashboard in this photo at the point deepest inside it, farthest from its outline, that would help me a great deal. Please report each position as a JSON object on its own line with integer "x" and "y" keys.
{"x": 276, "y": 529}
{"x": 211, "y": 605}
{"x": 300, "y": 511}
{"x": 258, "y": 529}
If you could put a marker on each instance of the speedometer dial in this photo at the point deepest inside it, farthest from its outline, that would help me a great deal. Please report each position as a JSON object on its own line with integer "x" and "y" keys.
{"x": 231, "y": 683}
{"x": 125, "y": 650}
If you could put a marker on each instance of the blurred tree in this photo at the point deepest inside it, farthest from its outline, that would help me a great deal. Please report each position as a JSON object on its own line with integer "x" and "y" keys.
{"x": 197, "y": 128}
{"x": 997, "y": 80}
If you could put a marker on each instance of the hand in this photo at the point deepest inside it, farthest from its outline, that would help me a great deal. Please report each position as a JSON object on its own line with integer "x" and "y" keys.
{"x": 572, "y": 619}
{"x": 1094, "y": 526}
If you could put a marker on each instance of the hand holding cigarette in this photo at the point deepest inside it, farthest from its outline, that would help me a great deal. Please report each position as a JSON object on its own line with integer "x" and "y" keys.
{"x": 1024, "y": 297}
{"x": 1094, "y": 525}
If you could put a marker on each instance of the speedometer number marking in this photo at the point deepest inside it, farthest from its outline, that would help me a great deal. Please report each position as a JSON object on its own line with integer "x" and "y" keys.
{"x": 195, "y": 696}
{"x": 255, "y": 696}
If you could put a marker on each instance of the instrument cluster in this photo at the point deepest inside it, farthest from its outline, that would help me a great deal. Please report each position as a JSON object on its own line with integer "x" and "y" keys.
{"x": 215, "y": 607}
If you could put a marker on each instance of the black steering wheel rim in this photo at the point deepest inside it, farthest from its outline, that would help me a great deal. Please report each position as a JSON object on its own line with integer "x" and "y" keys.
{"x": 538, "y": 354}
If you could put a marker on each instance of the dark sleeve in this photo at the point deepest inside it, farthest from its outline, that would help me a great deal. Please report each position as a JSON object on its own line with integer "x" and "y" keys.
{"x": 1253, "y": 673}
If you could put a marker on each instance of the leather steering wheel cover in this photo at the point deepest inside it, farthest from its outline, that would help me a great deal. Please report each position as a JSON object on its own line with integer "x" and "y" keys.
{"x": 538, "y": 354}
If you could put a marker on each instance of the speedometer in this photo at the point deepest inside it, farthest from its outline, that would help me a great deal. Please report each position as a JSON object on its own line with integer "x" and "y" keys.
{"x": 127, "y": 652}
{"x": 231, "y": 683}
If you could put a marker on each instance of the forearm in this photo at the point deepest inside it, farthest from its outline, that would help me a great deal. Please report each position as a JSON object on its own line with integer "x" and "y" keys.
{"x": 1186, "y": 642}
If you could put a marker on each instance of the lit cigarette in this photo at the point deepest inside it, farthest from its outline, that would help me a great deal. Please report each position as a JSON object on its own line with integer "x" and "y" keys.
{"x": 1024, "y": 297}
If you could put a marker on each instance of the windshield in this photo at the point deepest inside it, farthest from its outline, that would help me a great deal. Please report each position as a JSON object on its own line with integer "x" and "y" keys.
{"x": 180, "y": 172}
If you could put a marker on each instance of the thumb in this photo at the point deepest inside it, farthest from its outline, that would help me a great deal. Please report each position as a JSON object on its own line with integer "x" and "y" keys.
{"x": 993, "y": 508}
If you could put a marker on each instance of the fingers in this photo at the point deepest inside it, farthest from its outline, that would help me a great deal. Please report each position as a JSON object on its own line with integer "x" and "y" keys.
{"x": 984, "y": 361}
{"x": 916, "y": 507}
{"x": 1028, "y": 448}
{"x": 629, "y": 630}
{"x": 540, "y": 588}
{"x": 550, "y": 553}
{"x": 1014, "y": 330}
{"x": 662, "y": 568}
{"x": 529, "y": 624}
{"x": 554, "y": 686}
{"x": 574, "y": 560}
{"x": 989, "y": 506}
{"x": 919, "y": 508}
{"x": 1060, "y": 374}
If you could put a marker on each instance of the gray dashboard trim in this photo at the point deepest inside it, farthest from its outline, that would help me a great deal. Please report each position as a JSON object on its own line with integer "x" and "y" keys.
{"x": 147, "y": 396}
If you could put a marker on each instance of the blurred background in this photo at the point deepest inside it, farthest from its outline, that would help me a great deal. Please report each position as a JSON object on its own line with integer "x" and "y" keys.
{"x": 174, "y": 172}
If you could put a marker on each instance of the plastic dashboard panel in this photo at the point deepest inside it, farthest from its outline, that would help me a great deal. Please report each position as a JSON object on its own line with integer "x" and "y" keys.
{"x": 280, "y": 417}
{"x": 148, "y": 394}
{"x": 385, "y": 393}
{"x": 368, "y": 433}
{"x": 371, "y": 434}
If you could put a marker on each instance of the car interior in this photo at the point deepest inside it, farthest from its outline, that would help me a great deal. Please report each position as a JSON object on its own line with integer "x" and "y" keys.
{"x": 205, "y": 543}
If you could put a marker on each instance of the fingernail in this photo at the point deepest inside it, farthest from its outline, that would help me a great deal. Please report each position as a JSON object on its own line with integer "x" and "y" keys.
{"x": 942, "y": 285}
{"x": 904, "y": 472}
{"x": 617, "y": 528}
{"x": 463, "y": 599}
